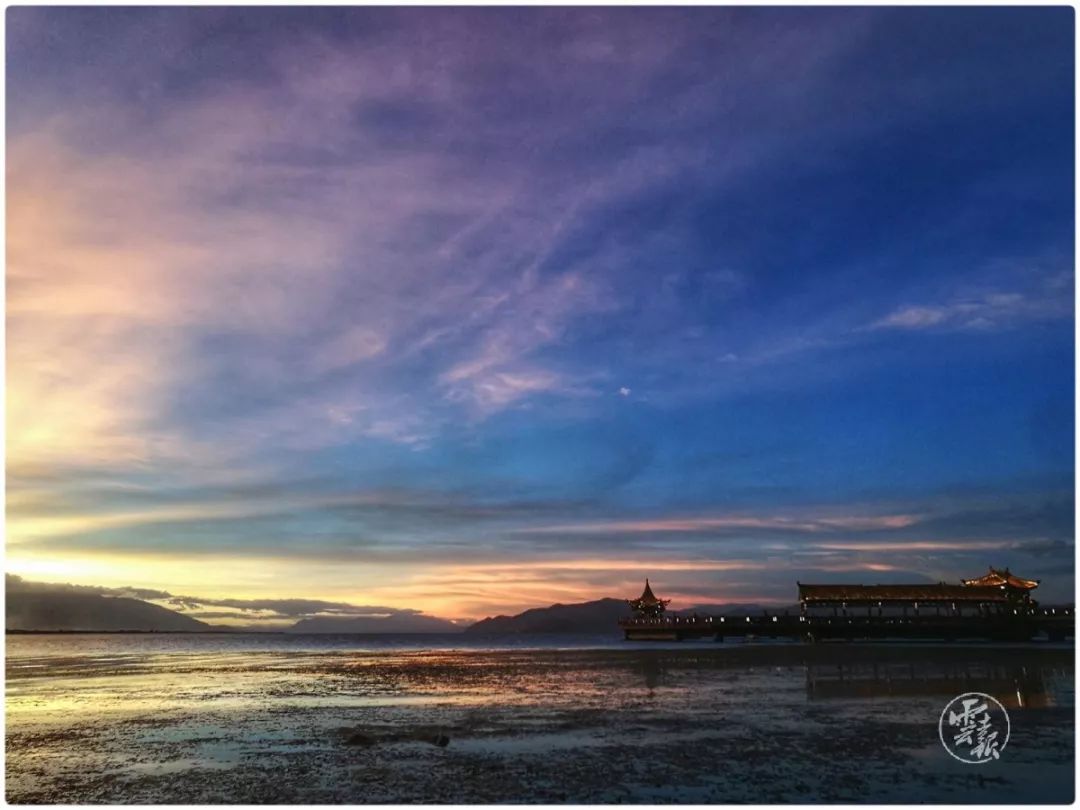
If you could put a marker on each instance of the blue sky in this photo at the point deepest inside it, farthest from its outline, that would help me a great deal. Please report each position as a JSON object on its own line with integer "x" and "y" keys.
{"x": 473, "y": 310}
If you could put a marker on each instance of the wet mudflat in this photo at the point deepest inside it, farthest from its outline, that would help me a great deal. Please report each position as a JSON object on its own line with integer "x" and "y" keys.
{"x": 100, "y": 722}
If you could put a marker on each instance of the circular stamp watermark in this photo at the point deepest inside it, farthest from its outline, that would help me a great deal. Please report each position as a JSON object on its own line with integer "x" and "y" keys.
{"x": 974, "y": 728}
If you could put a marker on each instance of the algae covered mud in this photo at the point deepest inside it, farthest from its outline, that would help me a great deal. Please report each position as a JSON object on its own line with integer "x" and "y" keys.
{"x": 201, "y": 719}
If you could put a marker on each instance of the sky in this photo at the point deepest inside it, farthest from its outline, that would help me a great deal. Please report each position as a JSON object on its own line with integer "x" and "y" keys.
{"x": 466, "y": 311}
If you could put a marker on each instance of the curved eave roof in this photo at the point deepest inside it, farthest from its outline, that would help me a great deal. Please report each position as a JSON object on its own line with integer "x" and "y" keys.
{"x": 999, "y": 578}
{"x": 647, "y": 598}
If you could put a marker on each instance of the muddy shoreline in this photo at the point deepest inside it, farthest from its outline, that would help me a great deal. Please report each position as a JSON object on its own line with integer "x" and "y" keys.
{"x": 727, "y": 723}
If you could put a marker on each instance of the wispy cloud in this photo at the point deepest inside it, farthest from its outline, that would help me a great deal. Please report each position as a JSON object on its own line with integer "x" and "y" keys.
{"x": 309, "y": 237}
{"x": 533, "y": 315}
{"x": 1051, "y": 299}
{"x": 703, "y": 524}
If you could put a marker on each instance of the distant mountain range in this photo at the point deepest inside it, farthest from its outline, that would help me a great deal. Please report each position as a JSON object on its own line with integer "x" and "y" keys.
{"x": 598, "y": 616}
{"x": 47, "y": 607}
{"x": 41, "y": 607}
{"x": 45, "y": 610}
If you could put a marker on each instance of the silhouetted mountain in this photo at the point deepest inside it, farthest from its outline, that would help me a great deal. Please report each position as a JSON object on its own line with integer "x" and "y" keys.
{"x": 736, "y": 609}
{"x": 394, "y": 623}
{"x": 599, "y": 616}
{"x": 64, "y": 610}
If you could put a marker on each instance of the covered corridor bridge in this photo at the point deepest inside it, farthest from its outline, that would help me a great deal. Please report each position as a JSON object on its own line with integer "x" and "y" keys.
{"x": 998, "y": 593}
{"x": 995, "y": 606}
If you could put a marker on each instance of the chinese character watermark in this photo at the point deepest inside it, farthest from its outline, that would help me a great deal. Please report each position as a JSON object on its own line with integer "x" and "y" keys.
{"x": 974, "y": 728}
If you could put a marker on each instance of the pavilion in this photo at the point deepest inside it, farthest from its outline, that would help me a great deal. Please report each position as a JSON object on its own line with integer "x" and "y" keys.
{"x": 997, "y": 592}
{"x": 647, "y": 606}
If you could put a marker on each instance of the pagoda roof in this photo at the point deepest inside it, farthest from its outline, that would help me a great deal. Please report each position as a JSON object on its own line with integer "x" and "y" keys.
{"x": 648, "y": 598}
{"x": 997, "y": 578}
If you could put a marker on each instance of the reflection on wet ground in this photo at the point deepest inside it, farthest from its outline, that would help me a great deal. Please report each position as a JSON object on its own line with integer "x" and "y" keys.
{"x": 731, "y": 723}
{"x": 1015, "y": 686}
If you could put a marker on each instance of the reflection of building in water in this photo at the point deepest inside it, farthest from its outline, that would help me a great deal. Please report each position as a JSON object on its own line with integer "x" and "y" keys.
{"x": 652, "y": 667}
{"x": 998, "y": 593}
{"x": 1016, "y": 687}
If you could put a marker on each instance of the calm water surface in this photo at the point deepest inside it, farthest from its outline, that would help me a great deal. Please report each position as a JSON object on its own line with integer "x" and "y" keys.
{"x": 352, "y": 719}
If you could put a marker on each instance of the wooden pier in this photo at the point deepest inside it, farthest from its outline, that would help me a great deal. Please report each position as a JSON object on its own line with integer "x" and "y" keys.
{"x": 1054, "y": 626}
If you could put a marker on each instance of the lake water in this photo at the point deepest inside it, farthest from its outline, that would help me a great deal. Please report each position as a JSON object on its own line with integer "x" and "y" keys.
{"x": 254, "y": 718}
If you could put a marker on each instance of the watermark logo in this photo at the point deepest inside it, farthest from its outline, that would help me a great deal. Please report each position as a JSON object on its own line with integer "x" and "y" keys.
{"x": 974, "y": 728}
